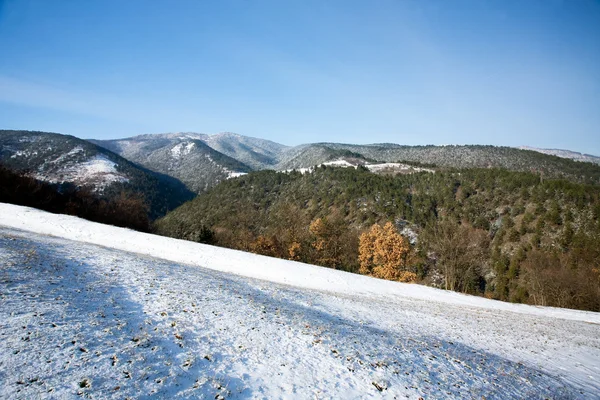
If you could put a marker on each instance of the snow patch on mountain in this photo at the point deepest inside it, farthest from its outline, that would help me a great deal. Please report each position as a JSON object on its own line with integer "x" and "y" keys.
{"x": 24, "y": 153}
{"x": 379, "y": 168}
{"x": 67, "y": 156}
{"x": 182, "y": 149}
{"x": 339, "y": 163}
{"x": 232, "y": 174}
{"x": 396, "y": 168}
{"x": 98, "y": 171}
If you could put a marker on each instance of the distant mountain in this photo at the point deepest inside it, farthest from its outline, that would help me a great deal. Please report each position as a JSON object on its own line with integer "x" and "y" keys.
{"x": 256, "y": 153}
{"x": 309, "y": 155}
{"x": 465, "y": 156}
{"x": 201, "y": 161}
{"x": 184, "y": 156}
{"x": 67, "y": 160}
{"x": 574, "y": 155}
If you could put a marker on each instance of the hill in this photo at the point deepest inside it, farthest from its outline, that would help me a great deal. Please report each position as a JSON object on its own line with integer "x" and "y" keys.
{"x": 181, "y": 155}
{"x": 257, "y": 153}
{"x": 184, "y": 156}
{"x": 110, "y": 312}
{"x": 573, "y": 155}
{"x": 68, "y": 161}
{"x": 468, "y": 156}
{"x": 502, "y": 234}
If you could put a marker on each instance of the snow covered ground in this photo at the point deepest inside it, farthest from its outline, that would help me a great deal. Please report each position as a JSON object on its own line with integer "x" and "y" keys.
{"x": 103, "y": 312}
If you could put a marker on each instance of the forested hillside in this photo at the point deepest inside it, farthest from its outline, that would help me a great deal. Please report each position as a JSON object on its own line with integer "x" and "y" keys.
{"x": 573, "y": 155}
{"x": 125, "y": 209}
{"x": 512, "y": 236}
{"x": 69, "y": 162}
{"x": 468, "y": 156}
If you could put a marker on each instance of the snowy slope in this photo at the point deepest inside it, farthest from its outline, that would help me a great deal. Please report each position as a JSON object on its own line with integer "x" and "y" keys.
{"x": 112, "y": 313}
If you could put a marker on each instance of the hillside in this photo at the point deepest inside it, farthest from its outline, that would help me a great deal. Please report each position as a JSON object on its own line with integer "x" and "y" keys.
{"x": 184, "y": 156}
{"x": 505, "y": 235}
{"x": 468, "y": 156}
{"x": 67, "y": 160}
{"x": 257, "y": 153}
{"x": 237, "y": 153}
{"x": 92, "y": 311}
{"x": 573, "y": 155}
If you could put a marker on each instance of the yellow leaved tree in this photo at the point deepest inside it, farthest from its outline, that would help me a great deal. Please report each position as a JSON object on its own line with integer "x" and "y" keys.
{"x": 383, "y": 253}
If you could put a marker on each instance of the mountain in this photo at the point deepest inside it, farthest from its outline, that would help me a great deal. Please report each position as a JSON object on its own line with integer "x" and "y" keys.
{"x": 309, "y": 155}
{"x": 573, "y": 155}
{"x": 464, "y": 156}
{"x": 103, "y": 312}
{"x": 184, "y": 156}
{"x": 256, "y": 153}
{"x": 201, "y": 161}
{"x": 67, "y": 160}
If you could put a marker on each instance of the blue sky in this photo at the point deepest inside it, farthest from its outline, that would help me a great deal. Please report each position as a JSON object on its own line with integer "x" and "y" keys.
{"x": 411, "y": 72}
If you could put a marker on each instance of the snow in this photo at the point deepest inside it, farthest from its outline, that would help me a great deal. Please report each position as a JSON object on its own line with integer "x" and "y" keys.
{"x": 301, "y": 170}
{"x": 98, "y": 170}
{"x": 339, "y": 163}
{"x": 24, "y": 153}
{"x": 230, "y": 174}
{"x": 182, "y": 149}
{"x": 396, "y": 167}
{"x": 375, "y": 168}
{"x": 60, "y": 159}
{"x": 83, "y": 303}
{"x": 233, "y": 174}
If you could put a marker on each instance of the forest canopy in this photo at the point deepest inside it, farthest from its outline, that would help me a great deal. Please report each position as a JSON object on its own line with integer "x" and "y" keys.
{"x": 512, "y": 236}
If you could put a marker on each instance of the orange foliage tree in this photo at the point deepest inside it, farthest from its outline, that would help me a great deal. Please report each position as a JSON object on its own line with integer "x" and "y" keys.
{"x": 383, "y": 253}
{"x": 265, "y": 245}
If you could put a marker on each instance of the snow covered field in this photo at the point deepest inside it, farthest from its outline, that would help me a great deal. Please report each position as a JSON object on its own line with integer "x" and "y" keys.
{"x": 101, "y": 312}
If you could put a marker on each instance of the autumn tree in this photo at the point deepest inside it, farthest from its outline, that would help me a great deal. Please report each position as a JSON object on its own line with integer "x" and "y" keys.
{"x": 383, "y": 253}
{"x": 333, "y": 242}
{"x": 265, "y": 245}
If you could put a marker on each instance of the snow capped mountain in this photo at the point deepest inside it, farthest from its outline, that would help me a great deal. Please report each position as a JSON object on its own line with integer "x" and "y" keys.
{"x": 97, "y": 171}
{"x": 184, "y": 156}
{"x": 97, "y": 311}
{"x": 62, "y": 159}
{"x": 257, "y": 154}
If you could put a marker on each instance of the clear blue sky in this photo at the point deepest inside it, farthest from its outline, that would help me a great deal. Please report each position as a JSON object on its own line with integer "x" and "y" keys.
{"x": 498, "y": 72}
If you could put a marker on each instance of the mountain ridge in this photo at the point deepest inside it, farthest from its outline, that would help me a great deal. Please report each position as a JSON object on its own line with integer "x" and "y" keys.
{"x": 258, "y": 154}
{"x": 67, "y": 160}
{"x": 184, "y": 156}
{"x": 563, "y": 153}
